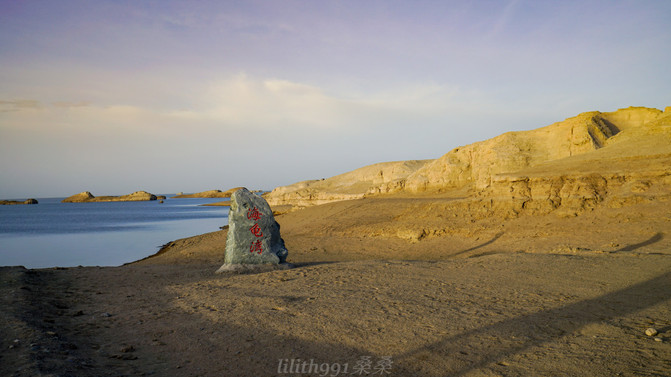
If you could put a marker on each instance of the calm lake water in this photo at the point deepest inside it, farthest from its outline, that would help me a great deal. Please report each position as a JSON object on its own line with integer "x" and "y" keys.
{"x": 52, "y": 233}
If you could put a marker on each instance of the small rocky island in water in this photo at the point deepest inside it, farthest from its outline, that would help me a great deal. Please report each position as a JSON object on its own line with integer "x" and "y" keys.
{"x": 86, "y": 196}
{"x": 13, "y": 202}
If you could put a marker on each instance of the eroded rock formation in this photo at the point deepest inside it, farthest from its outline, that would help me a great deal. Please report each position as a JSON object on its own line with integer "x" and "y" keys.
{"x": 13, "y": 202}
{"x": 479, "y": 162}
{"x": 595, "y": 158}
{"x": 86, "y": 197}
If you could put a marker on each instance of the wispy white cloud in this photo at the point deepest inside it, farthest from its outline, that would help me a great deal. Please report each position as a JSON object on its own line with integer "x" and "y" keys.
{"x": 68, "y": 104}
{"x": 244, "y": 101}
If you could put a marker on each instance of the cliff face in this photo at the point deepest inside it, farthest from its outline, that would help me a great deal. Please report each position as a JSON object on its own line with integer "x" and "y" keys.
{"x": 351, "y": 185}
{"x": 477, "y": 163}
{"x": 86, "y": 197}
{"x": 612, "y": 158}
{"x": 631, "y": 167}
{"x": 628, "y": 163}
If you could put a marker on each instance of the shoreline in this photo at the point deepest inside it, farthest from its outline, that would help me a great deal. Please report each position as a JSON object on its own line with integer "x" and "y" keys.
{"x": 103, "y": 234}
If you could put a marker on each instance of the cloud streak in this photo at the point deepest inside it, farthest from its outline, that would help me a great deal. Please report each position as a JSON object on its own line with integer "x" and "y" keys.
{"x": 243, "y": 102}
{"x": 19, "y": 104}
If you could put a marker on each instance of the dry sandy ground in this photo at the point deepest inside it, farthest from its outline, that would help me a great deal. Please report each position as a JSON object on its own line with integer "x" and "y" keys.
{"x": 527, "y": 296}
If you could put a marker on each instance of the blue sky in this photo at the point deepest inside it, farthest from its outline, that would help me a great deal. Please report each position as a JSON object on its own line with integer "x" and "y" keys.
{"x": 166, "y": 96}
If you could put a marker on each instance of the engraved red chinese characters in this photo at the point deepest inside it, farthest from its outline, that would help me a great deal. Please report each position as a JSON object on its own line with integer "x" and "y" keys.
{"x": 256, "y": 246}
{"x": 256, "y": 230}
{"x": 254, "y": 214}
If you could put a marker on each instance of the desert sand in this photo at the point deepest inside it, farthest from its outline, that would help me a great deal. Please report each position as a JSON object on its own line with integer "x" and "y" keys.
{"x": 556, "y": 268}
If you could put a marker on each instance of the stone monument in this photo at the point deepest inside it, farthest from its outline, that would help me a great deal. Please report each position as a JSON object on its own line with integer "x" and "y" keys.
{"x": 253, "y": 241}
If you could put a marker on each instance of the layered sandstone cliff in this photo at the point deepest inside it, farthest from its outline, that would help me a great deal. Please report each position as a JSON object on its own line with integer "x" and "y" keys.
{"x": 477, "y": 163}
{"x": 630, "y": 167}
{"x": 595, "y": 158}
{"x": 86, "y": 197}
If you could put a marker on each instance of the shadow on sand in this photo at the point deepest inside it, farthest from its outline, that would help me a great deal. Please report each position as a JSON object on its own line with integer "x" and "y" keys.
{"x": 496, "y": 237}
{"x": 654, "y": 239}
{"x": 491, "y": 344}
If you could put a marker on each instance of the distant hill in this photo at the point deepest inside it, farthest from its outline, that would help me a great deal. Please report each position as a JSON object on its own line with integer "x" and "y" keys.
{"x": 210, "y": 194}
{"x": 351, "y": 185}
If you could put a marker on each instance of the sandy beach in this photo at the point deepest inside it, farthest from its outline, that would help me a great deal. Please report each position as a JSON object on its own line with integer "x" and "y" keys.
{"x": 531, "y": 295}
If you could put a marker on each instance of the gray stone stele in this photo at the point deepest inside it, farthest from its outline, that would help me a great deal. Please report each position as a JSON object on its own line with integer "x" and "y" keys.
{"x": 253, "y": 240}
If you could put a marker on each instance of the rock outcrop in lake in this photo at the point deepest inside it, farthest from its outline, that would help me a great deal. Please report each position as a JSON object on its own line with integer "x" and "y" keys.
{"x": 15, "y": 202}
{"x": 595, "y": 158}
{"x": 87, "y": 197}
{"x": 209, "y": 194}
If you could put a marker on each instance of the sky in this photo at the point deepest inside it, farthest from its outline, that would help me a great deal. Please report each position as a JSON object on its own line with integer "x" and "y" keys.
{"x": 167, "y": 96}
